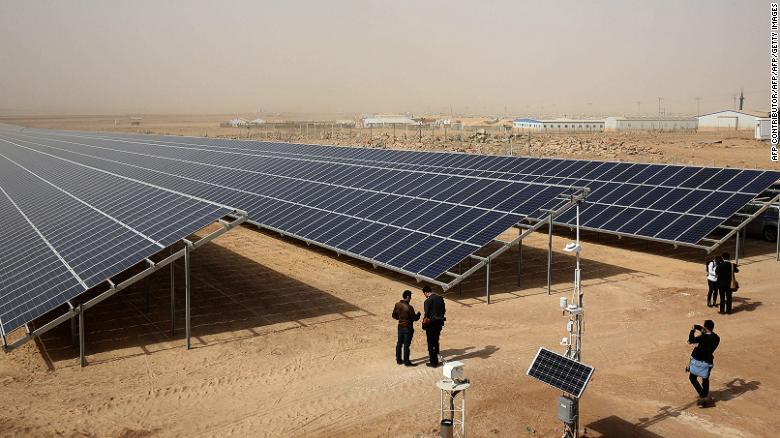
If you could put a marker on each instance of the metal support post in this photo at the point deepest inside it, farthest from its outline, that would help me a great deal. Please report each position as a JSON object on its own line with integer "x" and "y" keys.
{"x": 73, "y": 328}
{"x": 82, "y": 353}
{"x": 777, "y": 235}
{"x": 173, "y": 295}
{"x": 187, "y": 293}
{"x": 736, "y": 251}
{"x": 148, "y": 292}
{"x": 487, "y": 280}
{"x": 519, "y": 262}
{"x": 549, "y": 255}
{"x": 460, "y": 272}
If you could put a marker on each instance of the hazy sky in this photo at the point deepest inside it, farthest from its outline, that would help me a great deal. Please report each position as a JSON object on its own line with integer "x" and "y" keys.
{"x": 530, "y": 57}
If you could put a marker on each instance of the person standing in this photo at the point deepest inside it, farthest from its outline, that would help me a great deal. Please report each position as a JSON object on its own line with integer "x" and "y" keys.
{"x": 406, "y": 316}
{"x": 725, "y": 272}
{"x": 433, "y": 323}
{"x": 702, "y": 358}
{"x": 712, "y": 281}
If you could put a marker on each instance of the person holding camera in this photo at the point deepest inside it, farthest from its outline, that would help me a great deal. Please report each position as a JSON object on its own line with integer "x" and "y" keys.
{"x": 701, "y": 361}
{"x": 406, "y": 316}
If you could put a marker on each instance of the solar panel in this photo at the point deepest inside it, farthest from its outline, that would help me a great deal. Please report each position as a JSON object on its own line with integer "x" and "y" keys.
{"x": 71, "y": 227}
{"x": 560, "y": 372}
{"x": 654, "y": 181}
{"x": 450, "y": 215}
{"x": 649, "y": 190}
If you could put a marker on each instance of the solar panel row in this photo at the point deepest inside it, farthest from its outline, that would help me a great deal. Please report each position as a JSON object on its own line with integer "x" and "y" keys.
{"x": 416, "y": 222}
{"x": 74, "y": 227}
{"x": 686, "y": 203}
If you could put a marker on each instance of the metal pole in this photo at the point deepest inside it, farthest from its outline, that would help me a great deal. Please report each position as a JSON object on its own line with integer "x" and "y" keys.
{"x": 173, "y": 296}
{"x": 463, "y": 415}
{"x": 187, "y": 293}
{"x": 487, "y": 280}
{"x": 519, "y": 262}
{"x": 441, "y": 405}
{"x": 736, "y": 252}
{"x": 744, "y": 242}
{"x": 73, "y": 329}
{"x": 82, "y": 359}
{"x": 148, "y": 292}
{"x": 460, "y": 271}
{"x": 549, "y": 255}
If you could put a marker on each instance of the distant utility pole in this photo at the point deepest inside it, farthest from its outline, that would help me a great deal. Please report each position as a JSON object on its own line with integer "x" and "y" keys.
{"x": 659, "y": 105}
{"x": 638, "y": 108}
{"x": 734, "y": 98}
{"x": 698, "y": 101}
{"x": 741, "y": 100}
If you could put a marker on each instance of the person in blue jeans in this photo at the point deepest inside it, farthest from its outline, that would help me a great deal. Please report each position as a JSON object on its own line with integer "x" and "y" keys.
{"x": 406, "y": 316}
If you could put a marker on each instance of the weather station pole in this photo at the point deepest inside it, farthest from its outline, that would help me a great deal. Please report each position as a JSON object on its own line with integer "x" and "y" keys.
{"x": 574, "y": 328}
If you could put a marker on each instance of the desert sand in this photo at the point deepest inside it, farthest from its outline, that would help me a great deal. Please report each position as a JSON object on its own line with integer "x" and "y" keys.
{"x": 290, "y": 340}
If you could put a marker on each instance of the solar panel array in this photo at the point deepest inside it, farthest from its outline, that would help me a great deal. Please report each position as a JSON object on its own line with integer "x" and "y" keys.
{"x": 678, "y": 204}
{"x": 560, "y": 372}
{"x": 68, "y": 228}
{"x": 418, "y": 222}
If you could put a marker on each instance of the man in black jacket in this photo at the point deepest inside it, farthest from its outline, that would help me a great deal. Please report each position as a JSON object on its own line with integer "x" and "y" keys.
{"x": 434, "y": 310}
{"x": 706, "y": 343}
{"x": 725, "y": 271}
{"x": 406, "y": 316}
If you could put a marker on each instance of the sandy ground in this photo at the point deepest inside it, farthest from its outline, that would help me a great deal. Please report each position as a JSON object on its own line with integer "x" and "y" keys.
{"x": 289, "y": 340}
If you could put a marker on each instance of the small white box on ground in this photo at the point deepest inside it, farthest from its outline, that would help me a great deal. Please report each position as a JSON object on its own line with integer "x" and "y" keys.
{"x": 453, "y": 370}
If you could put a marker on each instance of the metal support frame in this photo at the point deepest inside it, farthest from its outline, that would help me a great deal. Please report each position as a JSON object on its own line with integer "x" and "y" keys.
{"x": 487, "y": 280}
{"x": 736, "y": 250}
{"x": 73, "y": 327}
{"x": 82, "y": 347}
{"x": 173, "y": 296}
{"x": 762, "y": 203}
{"x": 239, "y": 217}
{"x": 519, "y": 263}
{"x": 187, "y": 248}
{"x": 549, "y": 255}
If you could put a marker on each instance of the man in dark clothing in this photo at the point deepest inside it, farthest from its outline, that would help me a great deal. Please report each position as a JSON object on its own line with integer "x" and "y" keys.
{"x": 434, "y": 310}
{"x": 725, "y": 271}
{"x": 706, "y": 343}
{"x": 406, "y": 316}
